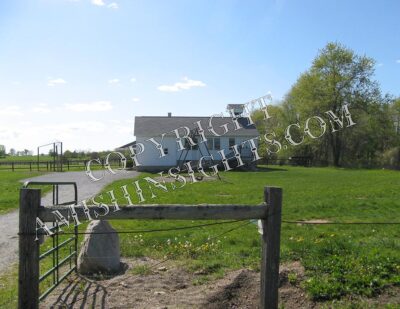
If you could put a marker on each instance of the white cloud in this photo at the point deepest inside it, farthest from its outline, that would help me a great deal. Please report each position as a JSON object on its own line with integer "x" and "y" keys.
{"x": 55, "y": 81}
{"x": 113, "y": 5}
{"x": 98, "y": 2}
{"x": 398, "y": 61}
{"x": 185, "y": 85}
{"x": 11, "y": 110}
{"x": 135, "y": 99}
{"x": 113, "y": 81}
{"x": 41, "y": 109}
{"x": 89, "y": 126}
{"x": 7, "y": 134}
{"x": 133, "y": 80}
{"x": 379, "y": 65}
{"x": 98, "y": 106}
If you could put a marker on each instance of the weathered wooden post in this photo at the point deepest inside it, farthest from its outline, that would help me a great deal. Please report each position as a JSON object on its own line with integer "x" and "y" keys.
{"x": 28, "y": 277}
{"x": 271, "y": 248}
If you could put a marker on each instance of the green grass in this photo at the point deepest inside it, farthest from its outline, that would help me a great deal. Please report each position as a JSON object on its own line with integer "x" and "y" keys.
{"x": 9, "y": 188}
{"x": 26, "y": 158}
{"x": 9, "y": 288}
{"x": 339, "y": 260}
{"x": 142, "y": 270}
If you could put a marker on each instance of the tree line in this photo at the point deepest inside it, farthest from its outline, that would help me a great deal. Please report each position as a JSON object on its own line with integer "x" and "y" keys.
{"x": 337, "y": 77}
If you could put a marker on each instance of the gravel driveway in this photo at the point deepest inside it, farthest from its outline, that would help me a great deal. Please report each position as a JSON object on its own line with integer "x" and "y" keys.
{"x": 86, "y": 189}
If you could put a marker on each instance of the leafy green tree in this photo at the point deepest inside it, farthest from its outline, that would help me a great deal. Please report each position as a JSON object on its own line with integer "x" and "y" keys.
{"x": 337, "y": 77}
{"x": 2, "y": 151}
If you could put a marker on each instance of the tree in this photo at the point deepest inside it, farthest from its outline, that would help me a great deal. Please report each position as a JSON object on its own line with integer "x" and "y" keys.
{"x": 12, "y": 152}
{"x": 67, "y": 154}
{"x": 395, "y": 112}
{"x": 337, "y": 77}
{"x": 2, "y": 151}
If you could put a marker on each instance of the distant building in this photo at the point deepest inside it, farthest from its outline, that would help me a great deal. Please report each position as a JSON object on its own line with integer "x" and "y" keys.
{"x": 147, "y": 127}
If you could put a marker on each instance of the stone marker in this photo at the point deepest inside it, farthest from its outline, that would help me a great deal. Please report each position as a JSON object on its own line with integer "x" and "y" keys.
{"x": 100, "y": 252}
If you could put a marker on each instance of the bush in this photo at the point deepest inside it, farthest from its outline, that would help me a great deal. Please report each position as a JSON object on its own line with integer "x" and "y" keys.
{"x": 391, "y": 158}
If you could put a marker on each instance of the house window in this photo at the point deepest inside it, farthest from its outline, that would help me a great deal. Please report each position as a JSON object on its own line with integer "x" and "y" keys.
{"x": 166, "y": 151}
{"x": 231, "y": 142}
{"x": 217, "y": 143}
{"x": 210, "y": 144}
{"x": 213, "y": 143}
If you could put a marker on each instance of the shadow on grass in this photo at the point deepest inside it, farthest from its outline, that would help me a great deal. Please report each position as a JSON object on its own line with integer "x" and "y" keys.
{"x": 270, "y": 169}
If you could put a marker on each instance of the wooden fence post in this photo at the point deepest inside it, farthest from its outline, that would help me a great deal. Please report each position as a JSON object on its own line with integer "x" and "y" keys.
{"x": 271, "y": 248}
{"x": 28, "y": 277}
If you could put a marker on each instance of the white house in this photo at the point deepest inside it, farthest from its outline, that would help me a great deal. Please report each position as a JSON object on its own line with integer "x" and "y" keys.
{"x": 158, "y": 147}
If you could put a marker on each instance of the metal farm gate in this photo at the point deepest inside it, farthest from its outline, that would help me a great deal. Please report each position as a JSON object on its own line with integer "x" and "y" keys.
{"x": 54, "y": 273}
{"x": 29, "y": 250}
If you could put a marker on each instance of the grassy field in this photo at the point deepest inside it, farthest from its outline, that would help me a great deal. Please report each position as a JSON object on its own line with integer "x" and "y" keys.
{"x": 339, "y": 260}
{"x": 9, "y": 188}
{"x": 26, "y": 158}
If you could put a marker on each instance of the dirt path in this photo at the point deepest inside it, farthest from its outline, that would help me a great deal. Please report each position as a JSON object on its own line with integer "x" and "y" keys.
{"x": 86, "y": 189}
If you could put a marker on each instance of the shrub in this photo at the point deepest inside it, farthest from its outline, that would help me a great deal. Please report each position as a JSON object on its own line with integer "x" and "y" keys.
{"x": 391, "y": 158}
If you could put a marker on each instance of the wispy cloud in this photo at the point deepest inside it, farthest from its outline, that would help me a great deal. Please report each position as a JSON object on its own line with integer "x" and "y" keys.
{"x": 113, "y": 5}
{"x": 56, "y": 81}
{"x": 113, "y": 81}
{"x": 98, "y": 106}
{"x": 11, "y": 110}
{"x": 398, "y": 61}
{"x": 135, "y": 99}
{"x": 98, "y": 2}
{"x": 133, "y": 80}
{"x": 41, "y": 109}
{"x": 379, "y": 65}
{"x": 185, "y": 85}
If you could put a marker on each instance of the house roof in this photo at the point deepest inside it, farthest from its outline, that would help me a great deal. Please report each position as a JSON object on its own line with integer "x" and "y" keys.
{"x": 150, "y": 126}
{"x": 229, "y": 106}
{"x": 127, "y": 145}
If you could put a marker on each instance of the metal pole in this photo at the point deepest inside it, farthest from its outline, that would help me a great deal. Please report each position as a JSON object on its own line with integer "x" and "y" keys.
{"x": 61, "y": 156}
{"x": 54, "y": 157}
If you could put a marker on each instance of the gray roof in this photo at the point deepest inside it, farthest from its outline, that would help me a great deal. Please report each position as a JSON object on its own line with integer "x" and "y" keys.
{"x": 229, "y": 106}
{"x": 150, "y": 126}
{"x": 127, "y": 145}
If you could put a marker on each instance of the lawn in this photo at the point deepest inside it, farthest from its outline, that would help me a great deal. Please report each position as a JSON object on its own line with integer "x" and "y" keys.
{"x": 26, "y": 158}
{"x": 339, "y": 260}
{"x": 9, "y": 188}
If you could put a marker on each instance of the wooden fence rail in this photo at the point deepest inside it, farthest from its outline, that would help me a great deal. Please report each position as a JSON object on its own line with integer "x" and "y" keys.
{"x": 269, "y": 213}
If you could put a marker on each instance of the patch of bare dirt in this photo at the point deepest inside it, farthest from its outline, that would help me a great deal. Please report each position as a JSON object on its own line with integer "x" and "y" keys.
{"x": 147, "y": 285}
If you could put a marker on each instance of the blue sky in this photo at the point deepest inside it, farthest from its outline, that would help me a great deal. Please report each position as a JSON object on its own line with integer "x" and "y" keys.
{"x": 80, "y": 70}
